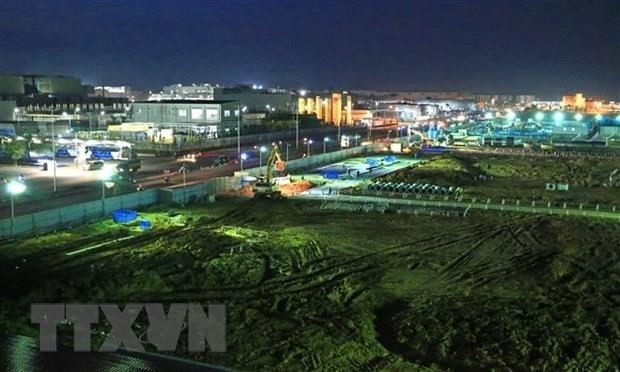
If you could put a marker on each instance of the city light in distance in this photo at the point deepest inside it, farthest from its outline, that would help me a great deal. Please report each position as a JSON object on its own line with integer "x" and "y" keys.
{"x": 578, "y": 116}
{"x": 558, "y": 116}
{"x": 539, "y": 116}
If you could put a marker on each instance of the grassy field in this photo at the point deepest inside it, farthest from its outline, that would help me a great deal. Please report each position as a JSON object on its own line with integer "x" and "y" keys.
{"x": 514, "y": 177}
{"x": 309, "y": 289}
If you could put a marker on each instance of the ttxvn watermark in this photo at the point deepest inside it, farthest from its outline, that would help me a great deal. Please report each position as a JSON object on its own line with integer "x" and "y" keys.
{"x": 164, "y": 329}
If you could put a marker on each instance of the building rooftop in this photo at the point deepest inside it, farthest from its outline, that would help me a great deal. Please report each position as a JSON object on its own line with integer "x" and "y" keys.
{"x": 188, "y": 101}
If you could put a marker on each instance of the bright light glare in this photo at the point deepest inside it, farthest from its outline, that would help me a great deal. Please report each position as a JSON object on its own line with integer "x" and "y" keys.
{"x": 598, "y": 117}
{"x": 302, "y": 92}
{"x": 326, "y": 139}
{"x": 15, "y": 187}
{"x": 539, "y": 116}
{"x": 578, "y": 116}
{"x": 511, "y": 116}
{"x": 106, "y": 173}
{"x": 263, "y": 149}
{"x": 244, "y": 156}
{"x": 558, "y": 116}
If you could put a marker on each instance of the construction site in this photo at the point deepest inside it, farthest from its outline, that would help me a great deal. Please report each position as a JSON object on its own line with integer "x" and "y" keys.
{"x": 314, "y": 282}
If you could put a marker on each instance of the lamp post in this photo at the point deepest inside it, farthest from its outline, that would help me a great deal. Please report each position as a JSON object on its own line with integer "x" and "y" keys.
{"x": 14, "y": 188}
{"x": 287, "y": 147}
{"x": 243, "y": 158}
{"x": 238, "y": 131}
{"x": 105, "y": 176}
{"x": 309, "y": 142}
{"x": 325, "y": 140}
{"x": 102, "y": 113}
{"x": 260, "y": 157}
{"x": 54, "y": 153}
{"x": 539, "y": 117}
{"x": 16, "y": 114}
{"x": 303, "y": 94}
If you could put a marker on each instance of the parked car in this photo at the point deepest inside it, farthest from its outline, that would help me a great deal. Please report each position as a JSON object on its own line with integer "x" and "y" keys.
{"x": 93, "y": 165}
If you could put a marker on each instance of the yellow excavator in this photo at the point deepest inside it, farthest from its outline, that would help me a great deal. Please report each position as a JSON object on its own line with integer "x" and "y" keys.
{"x": 265, "y": 186}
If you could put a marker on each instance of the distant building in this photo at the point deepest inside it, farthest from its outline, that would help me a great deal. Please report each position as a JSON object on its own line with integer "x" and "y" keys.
{"x": 7, "y": 111}
{"x": 202, "y": 91}
{"x": 575, "y": 102}
{"x": 334, "y": 108}
{"x": 255, "y": 99}
{"x": 484, "y": 100}
{"x": 113, "y": 92}
{"x": 210, "y": 118}
{"x": 51, "y": 85}
{"x": 372, "y": 96}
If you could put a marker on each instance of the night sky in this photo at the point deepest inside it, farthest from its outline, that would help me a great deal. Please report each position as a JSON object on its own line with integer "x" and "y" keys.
{"x": 545, "y": 48}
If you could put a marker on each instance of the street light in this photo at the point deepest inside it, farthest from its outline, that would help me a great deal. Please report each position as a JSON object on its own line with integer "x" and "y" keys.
{"x": 578, "y": 116}
{"x": 325, "y": 140}
{"x": 243, "y": 158}
{"x": 54, "y": 153}
{"x": 511, "y": 116}
{"x": 558, "y": 117}
{"x": 14, "y": 188}
{"x": 598, "y": 117}
{"x": 539, "y": 116}
{"x": 105, "y": 176}
{"x": 309, "y": 142}
{"x": 260, "y": 157}
{"x": 16, "y": 114}
{"x": 303, "y": 94}
{"x": 238, "y": 131}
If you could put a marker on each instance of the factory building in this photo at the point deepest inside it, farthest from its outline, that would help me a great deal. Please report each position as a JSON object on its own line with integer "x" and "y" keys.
{"x": 210, "y": 118}
{"x": 256, "y": 100}
{"x": 334, "y": 108}
{"x": 13, "y": 86}
{"x": 202, "y": 91}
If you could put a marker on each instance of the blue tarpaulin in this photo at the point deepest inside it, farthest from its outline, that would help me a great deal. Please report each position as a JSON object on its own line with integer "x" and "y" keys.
{"x": 124, "y": 215}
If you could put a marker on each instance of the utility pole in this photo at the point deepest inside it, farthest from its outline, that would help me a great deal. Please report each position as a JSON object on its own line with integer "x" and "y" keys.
{"x": 53, "y": 150}
{"x": 238, "y": 132}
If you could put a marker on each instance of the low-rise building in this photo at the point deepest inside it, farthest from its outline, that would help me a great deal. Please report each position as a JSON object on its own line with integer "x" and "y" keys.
{"x": 210, "y": 118}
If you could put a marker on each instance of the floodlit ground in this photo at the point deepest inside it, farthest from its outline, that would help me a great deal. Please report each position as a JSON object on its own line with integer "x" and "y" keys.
{"x": 513, "y": 177}
{"x": 314, "y": 289}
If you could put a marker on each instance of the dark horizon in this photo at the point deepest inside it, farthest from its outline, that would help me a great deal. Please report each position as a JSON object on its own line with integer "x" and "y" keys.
{"x": 545, "y": 48}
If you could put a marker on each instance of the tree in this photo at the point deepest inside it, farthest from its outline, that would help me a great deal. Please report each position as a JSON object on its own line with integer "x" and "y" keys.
{"x": 15, "y": 150}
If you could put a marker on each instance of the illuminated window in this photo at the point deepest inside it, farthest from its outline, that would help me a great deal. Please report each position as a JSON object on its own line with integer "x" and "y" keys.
{"x": 226, "y": 113}
{"x": 212, "y": 114}
{"x": 182, "y": 113}
{"x": 197, "y": 114}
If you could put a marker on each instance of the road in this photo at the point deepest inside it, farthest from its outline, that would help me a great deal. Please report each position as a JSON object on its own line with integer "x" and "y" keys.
{"x": 543, "y": 209}
{"x": 75, "y": 185}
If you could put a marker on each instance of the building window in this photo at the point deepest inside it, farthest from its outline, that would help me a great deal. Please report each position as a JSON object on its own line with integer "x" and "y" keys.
{"x": 182, "y": 113}
{"x": 236, "y": 112}
{"x": 198, "y": 113}
{"x": 226, "y": 113}
{"x": 212, "y": 114}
